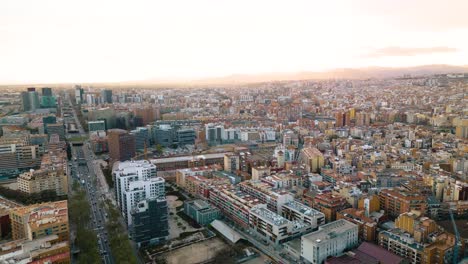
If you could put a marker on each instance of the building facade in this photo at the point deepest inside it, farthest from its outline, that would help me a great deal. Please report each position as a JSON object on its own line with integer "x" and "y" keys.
{"x": 331, "y": 239}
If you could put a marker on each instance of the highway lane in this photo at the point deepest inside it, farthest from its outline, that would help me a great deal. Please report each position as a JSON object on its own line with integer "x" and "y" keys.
{"x": 83, "y": 171}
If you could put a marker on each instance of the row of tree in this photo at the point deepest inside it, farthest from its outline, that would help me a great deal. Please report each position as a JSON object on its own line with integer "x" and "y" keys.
{"x": 118, "y": 238}
{"x": 79, "y": 214}
{"x": 107, "y": 171}
{"x": 34, "y": 198}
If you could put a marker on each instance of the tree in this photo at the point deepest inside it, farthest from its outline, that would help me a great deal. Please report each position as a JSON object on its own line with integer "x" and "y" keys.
{"x": 159, "y": 149}
{"x": 79, "y": 214}
{"x": 118, "y": 239}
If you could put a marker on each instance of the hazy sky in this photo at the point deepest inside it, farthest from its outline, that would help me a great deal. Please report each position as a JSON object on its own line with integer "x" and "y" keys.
{"x": 111, "y": 40}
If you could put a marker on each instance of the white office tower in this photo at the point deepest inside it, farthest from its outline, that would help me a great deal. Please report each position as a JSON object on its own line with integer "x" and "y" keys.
{"x": 129, "y": 171}
{"x": 138, "y": 191}
{"x": 331, "y": 239}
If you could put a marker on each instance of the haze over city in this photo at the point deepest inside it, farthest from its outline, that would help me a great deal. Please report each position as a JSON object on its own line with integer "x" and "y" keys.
{"x": 111, "y": 41}
{"x": 233, "y": 132}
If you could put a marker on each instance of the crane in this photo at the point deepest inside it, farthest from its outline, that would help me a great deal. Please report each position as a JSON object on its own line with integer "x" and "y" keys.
{"x": 458, "y": 243}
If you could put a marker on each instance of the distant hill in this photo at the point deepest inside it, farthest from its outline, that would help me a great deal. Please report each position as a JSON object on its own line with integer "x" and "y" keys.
{"x": 344, "y": 73}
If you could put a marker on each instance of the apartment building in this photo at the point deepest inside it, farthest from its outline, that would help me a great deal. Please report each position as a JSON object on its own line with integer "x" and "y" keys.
{"x": 36, "y": 181}
{"x": 139, "y": 190}
{"x": 40, "y": 220}
{"x": 296, "y": 211}
{"x": 398, "y": 201}
{"x": 264, "y": 193}
{"x": 329, "y": 205}
{"x": 200, "y": 186}
{"x": 205, "y": 171}
{"x": 17, "y": 155}
{"x": 403, "y": 244}
{"x": 125, "y": 172}
{"x": 233, "y": 203}
{"x": 312, "y": 158}
{"x": 231, "y": 162}
{"x": 367, "y": 226}
{"x": 273, "y": 228}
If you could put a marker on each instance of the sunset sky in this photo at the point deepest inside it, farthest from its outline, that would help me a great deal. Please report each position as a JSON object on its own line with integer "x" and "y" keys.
{"x": 111, "y": 40}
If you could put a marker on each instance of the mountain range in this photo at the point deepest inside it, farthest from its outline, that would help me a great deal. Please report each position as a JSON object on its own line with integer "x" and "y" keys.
{"x": 342, "y": 73}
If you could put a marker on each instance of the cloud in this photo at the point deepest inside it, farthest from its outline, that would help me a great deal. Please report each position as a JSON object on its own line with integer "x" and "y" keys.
{"x": 394, "y": 51}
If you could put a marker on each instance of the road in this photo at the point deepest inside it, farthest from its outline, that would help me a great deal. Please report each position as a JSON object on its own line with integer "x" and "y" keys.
{"x": 83, "y": 170}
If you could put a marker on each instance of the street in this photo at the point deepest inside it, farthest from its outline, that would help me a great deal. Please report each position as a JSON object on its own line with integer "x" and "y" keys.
{"x": 82, "y": 163}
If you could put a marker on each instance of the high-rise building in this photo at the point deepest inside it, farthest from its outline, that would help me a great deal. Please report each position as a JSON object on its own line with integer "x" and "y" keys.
{"x": 141, "y": 198}
{"x": 231, "y": 162}
{"x": 125, "y": 172}
{"x": 331, "y": 239}
{"x": 362, "y": 119}
{"x": 106, "y": 96}
{"x": 138, "y": 190}
{"x": 47, "y": 98}
{"x": 214, "y": 133}
{"x": 142, "y": 138}
{"x": 30, "y": 99}
{"x": 25, "y": 104}
{"x": 150, "y": 222}
{"x": 46, "y": 91}
{"x": 79, "y": 94}
{"x": 121, "y": 145}
{"x": 461, "y": 128}
{"x": 339, "y": 119}
{"x": 40, "y": 220}
{"x": 312, "y": 158}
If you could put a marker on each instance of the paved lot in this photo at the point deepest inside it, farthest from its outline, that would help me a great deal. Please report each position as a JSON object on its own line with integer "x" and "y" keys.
{"x": 196, "y": 253}
{"x": 174, "y": 229}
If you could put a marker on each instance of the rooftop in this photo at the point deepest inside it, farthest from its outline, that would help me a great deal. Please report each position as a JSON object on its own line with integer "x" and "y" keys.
{"x": 269, "y": 215}
{"x": 303, "y": 209}
{"x": 329, "y": 231}
{"x": 188, "y": 158}
{"x": 45, "y": 213}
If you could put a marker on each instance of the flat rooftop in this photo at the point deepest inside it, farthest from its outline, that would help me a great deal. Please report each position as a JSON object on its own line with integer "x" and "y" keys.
{"x": 269, "y": 216}
{"x": 189, "y": 158}
{"x": 329, "y": 231}
{"x": 303, "y": 209}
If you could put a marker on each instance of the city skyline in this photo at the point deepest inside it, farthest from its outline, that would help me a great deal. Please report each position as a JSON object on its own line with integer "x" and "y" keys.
{"x": 115, "y": 41}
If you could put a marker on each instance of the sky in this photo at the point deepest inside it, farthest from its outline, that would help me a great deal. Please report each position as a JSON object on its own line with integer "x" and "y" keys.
{"x": 50, "y": 41}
